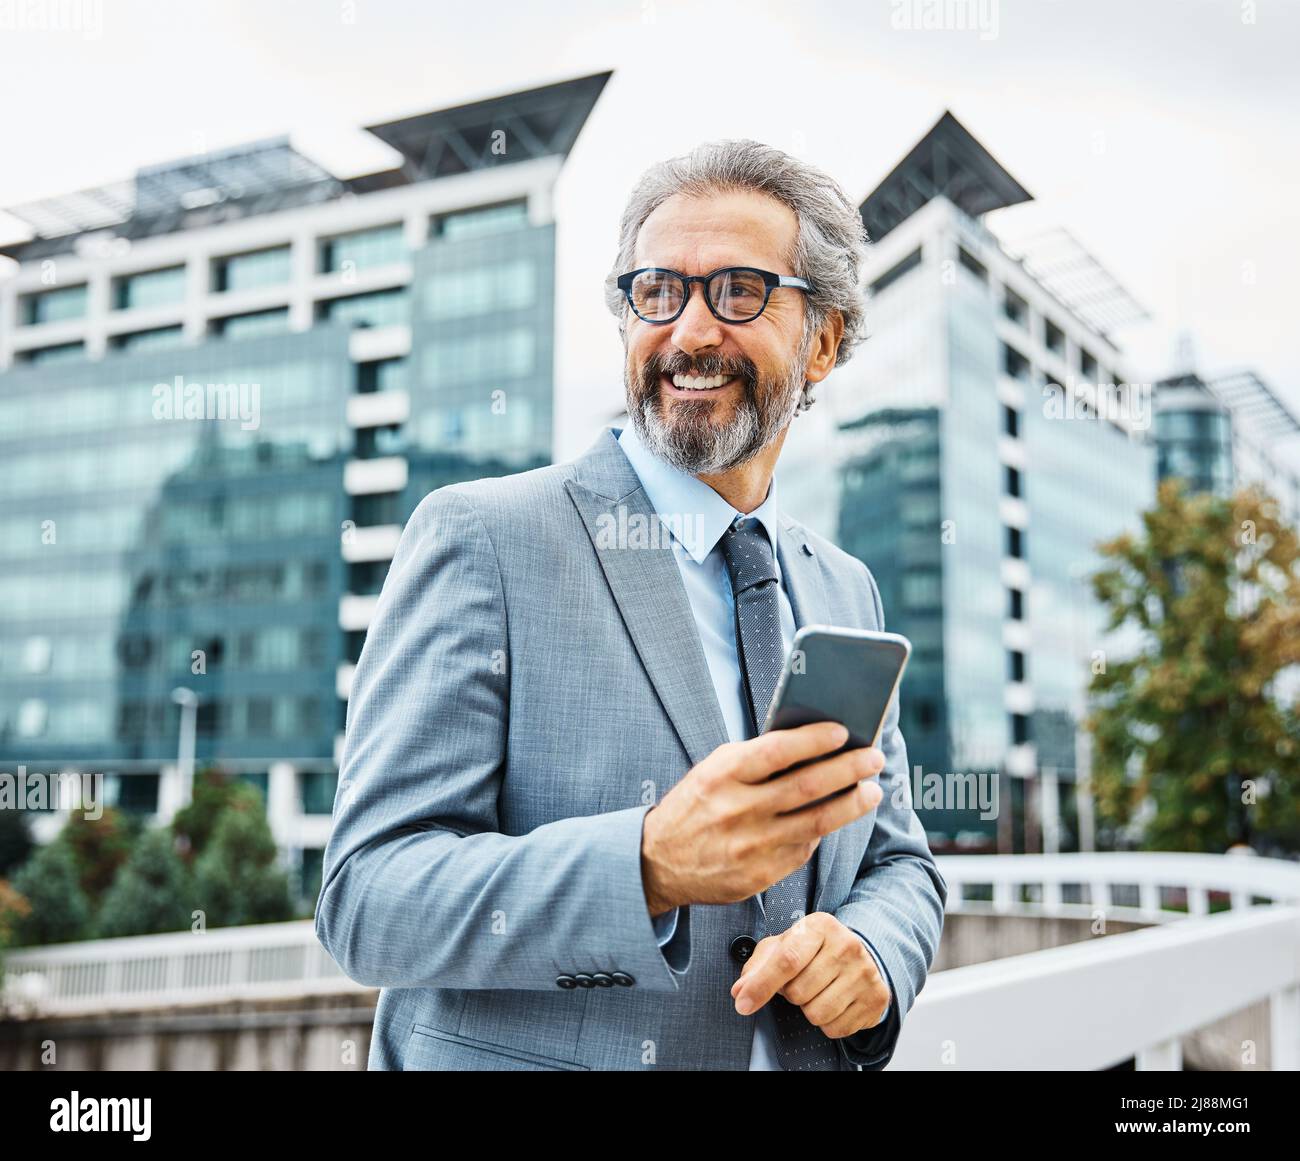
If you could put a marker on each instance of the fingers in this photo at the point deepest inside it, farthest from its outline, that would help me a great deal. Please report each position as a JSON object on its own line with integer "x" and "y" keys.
{"x": 758, "y": 758}
{"x": 813, "y": 822}
{"x": 817, "y": 779}
{"x": 776, "y": 961}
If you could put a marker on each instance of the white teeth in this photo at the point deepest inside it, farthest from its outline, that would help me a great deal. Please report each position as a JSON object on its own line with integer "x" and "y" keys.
{"x": 700, "y": 382}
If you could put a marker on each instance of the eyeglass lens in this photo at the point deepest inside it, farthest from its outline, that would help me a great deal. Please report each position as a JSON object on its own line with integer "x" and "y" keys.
{"x": 737, "y": 295}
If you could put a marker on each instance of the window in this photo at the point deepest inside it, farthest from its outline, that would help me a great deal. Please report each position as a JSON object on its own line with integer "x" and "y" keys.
{"x": 922, "y": 590}
{"x": 366, "y": 578}
{"x": 1010, "y": 421}
{"x": 36, "y": 655}
{"x": 49, "y": 306}
{"x": 895, "y": 272}
{"x": 1016, "y": 604}
{"x": 151, "y": 288}
{"x": 259, "y": 716}
{"x": 1011, "y": 480}
{"x": 318, "y": 791}
{"x": 1016, "y": 665}
{"x": 1015, "y": 307}
{"x": 380, "y": 508}
{"x": 1015, "y": 543}
{"x": 1019, "y": 729}
{"x": 1087, "y": 366}
{"x": 481, "y": 220}
{"x": 364, "y": 249}
{"x": 973, "y": 264}
{"x": 32, "y": 716}
{"x": 372, "y": 442}
{"x": 1054, "y": 338}
{"x": 271, "y": 267}
{"x": 152, "y": 339}
{"x": 247, "y": 326}
{"x": 1015, "y": 364}
{"x": 484, "y": 289}
{"x": 382, "y": 375}
{"x": 380, "y": 308}
{"x": 60, "y": 353}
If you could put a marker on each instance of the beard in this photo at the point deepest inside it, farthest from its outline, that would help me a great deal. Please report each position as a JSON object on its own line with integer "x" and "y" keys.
{"x": 682, "y": 432}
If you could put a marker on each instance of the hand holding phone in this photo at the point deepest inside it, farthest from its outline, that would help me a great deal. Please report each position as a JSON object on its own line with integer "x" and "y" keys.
{"x": 841, "y": 675}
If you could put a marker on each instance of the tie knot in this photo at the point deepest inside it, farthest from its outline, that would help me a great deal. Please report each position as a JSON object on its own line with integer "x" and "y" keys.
{"x": 748, "y": 553}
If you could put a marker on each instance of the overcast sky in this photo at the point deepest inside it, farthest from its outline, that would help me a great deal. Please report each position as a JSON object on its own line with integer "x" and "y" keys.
{"x": 1164, "y": 134}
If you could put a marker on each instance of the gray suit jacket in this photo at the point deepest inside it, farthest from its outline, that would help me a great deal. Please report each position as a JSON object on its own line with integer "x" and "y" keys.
{"x": 530, "y": 686}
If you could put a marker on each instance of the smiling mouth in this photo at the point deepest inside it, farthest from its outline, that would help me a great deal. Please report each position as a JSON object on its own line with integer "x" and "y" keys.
{"x": 717, "y": 385}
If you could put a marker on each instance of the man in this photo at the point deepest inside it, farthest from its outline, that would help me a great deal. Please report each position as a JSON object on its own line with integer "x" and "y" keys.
{"x": 555, "y": 844}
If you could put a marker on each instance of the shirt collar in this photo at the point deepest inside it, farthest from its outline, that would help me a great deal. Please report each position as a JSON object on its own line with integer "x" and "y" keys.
{"x": 694, "y": 513}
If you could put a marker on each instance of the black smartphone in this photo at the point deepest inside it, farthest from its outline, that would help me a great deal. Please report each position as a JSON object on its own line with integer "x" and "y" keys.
{"x": 840, "y": 675}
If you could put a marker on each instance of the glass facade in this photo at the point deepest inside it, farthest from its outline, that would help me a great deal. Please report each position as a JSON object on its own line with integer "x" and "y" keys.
{"x": 272, "y": 267}
{"x": 1195, "y": 444}
{"x": 965, "y": 544}
{"x": 60, "y": 305}
{"x": 379, "y": 308}
{"x": 247, "y": 326}
{"x": 145, "y": 547}
{"x": 364, "y": 249}
{"x": 482, "y": 338}
{"x": 149, "y": 340}
{"x": 152, "y": 288}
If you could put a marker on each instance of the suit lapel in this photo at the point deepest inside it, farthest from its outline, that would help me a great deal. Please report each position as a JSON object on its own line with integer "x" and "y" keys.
{"x": 635, "y": 552}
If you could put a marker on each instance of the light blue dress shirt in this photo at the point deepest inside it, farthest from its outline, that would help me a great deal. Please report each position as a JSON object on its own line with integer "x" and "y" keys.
{"x": 697, "y": 517}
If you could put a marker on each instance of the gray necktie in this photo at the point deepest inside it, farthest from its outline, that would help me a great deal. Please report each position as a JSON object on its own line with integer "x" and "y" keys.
{"x": 752, "y": 568}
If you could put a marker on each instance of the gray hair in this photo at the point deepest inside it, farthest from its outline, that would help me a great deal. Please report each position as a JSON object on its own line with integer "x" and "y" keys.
{"x": 830, "y": 245}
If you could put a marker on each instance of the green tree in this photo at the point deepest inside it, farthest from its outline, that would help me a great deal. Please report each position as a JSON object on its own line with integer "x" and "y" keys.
{"x": 214, "y": 792}
{"x": 1212, "y": 587}
{"x": 15, "y": 840}
{"x": 100, "y": 847}
{"x": 50, "y": 881}
{"x": 13, "y": 908}
{"x": 236, "y": 879}
{"x": 151, "y": 892}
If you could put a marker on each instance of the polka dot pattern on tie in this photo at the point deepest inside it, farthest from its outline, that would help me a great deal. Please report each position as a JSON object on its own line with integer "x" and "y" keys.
{"x": 751, "y": 564}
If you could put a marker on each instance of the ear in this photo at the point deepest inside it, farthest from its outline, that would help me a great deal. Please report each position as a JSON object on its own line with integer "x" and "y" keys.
{"x": 825, "y": 347}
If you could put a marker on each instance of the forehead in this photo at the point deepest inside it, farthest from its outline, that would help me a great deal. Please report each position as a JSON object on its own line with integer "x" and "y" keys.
{"x": 736, "y": 228}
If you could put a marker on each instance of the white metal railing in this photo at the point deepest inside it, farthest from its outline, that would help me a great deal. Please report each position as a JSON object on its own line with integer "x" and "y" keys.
{"x": 1091, "y": 1005}
{"x": 1159, "y": 881}
{"x": 262, "y": 961}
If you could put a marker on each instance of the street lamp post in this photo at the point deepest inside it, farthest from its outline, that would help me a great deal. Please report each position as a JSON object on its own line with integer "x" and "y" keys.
{"x": 188, "y": 700}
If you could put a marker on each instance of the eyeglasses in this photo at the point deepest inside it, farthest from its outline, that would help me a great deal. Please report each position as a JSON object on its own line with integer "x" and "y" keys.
{"x": 735, "y": 294}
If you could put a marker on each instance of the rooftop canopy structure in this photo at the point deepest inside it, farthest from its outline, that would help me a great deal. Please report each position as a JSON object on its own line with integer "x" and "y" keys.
{"x": 946, "y": 162}
{"x": 264, "y": 176}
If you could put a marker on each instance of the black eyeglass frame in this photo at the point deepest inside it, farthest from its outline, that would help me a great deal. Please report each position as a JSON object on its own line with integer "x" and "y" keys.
{"x": 770, "y": 281}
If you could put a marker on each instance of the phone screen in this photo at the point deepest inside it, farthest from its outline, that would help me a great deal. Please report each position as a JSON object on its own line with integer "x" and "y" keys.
{"x": 846, "y": 676}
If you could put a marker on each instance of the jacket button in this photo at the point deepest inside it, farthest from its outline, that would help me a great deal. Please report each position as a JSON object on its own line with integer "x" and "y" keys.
{"x": 584, "y": 980}
{"x": 568, "y": 983}
{"x": 742, "y": 947}
{"x": 603, "y": 979}
{"x": 622, "y": 979}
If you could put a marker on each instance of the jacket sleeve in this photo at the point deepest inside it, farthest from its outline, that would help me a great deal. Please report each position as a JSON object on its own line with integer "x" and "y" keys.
{"x": 897, "y": 901}
{"x": 420, "y": 889}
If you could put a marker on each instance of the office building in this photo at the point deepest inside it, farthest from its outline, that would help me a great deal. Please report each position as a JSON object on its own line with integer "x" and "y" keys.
{"x": 224, "y": 386}
{"x": 975, "y": 450}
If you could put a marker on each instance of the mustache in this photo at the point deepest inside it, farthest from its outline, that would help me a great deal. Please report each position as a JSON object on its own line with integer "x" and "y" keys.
{"x": 705, "y": 365}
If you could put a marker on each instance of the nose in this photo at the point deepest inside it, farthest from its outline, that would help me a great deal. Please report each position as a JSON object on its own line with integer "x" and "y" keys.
{"x": 696, "y": 329}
